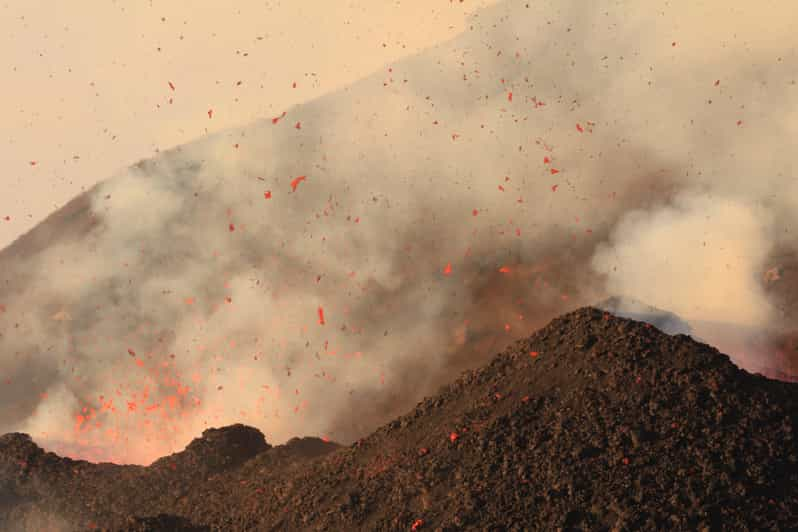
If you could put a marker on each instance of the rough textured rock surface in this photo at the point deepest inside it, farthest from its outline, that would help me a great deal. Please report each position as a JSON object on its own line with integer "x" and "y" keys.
{"x": 593, "y": 423}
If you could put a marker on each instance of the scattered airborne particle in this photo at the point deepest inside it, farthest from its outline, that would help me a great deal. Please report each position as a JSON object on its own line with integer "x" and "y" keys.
{"x": 295, "y": 182}
{"x": 277, "y": 119}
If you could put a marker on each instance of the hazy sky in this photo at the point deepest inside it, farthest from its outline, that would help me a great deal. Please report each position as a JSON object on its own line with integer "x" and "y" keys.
{"x": 86, "y": 84}
{"x": 83, "y": 81}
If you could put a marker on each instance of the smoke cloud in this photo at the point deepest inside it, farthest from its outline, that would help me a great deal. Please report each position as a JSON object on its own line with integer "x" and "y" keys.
{"x": 320, "y": 271}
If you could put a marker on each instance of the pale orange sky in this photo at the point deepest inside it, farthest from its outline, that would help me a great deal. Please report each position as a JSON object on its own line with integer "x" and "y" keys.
{"x": 82, "y": 81}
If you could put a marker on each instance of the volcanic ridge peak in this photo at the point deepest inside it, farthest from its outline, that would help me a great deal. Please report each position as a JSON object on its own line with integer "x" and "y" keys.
{"x": 634, "y": 309}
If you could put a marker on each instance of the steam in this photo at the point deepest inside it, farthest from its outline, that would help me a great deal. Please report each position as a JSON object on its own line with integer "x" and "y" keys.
{"x": 430, "y": 231}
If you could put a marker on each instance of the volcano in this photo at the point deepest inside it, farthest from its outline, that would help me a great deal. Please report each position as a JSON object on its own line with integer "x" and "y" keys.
{"x": 594, "y": 422}
{"x": 240, "y": 332}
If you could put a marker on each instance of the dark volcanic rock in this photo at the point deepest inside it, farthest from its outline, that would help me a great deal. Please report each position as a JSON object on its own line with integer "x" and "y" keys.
{"x": 593, "y": 423}
{"x": 218, "y": 450}
{"x": 163, "y": 523}
{"x": 40, "y": 490}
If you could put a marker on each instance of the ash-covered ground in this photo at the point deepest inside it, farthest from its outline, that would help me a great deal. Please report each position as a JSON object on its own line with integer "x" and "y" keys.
{"x": 594, "y": 422}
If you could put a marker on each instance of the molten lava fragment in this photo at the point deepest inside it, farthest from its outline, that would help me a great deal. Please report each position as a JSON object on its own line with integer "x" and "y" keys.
{"x": 773, "y": 274}
{"x": 321, "y": 316}
{"x": 448, "y": 269}
{"x": 295, "y": 182}
{"x": 267, "y": 194}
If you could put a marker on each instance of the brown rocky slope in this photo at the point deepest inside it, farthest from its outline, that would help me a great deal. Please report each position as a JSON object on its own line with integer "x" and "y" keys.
{"x": 592, "y": 423}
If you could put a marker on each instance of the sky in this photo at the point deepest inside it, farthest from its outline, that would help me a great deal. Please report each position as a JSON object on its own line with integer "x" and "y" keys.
{"x": 445, "y": 178}
{"x": 87, "y": 83}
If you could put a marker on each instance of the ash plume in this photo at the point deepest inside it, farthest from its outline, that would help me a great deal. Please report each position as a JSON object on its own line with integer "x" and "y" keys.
{"x": 552, "y": 155}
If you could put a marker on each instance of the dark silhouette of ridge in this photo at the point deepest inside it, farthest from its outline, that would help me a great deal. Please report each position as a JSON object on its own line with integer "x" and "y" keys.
{"x": 594, "y": 422}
